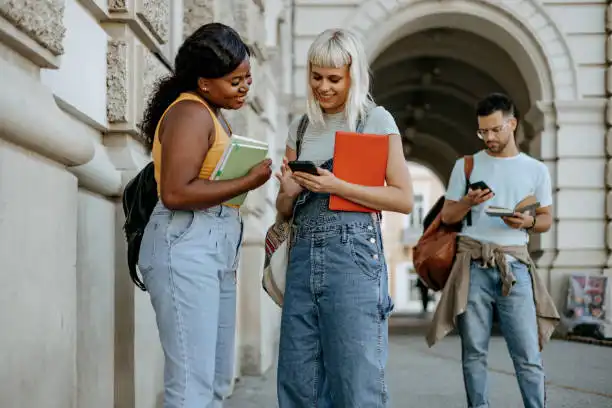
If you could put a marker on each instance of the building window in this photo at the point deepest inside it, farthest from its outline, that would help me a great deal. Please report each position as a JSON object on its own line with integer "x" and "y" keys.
{"x": 415, "y": 219}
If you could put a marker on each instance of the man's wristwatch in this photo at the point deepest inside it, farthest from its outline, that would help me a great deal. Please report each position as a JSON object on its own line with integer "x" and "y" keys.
{"x": 532, "y": 226}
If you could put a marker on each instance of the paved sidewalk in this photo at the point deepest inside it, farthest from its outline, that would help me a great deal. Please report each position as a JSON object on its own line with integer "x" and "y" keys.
{"x": 579, "y": 375}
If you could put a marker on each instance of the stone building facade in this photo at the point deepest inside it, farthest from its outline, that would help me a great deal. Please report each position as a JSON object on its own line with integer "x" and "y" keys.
{"x": 432, "y": 60}
{"x": 75, "y": 78}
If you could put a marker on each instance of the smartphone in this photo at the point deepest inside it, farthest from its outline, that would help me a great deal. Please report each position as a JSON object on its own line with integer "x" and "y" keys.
{"x": 480, "y": 185}
{"x": 304, "y": 166}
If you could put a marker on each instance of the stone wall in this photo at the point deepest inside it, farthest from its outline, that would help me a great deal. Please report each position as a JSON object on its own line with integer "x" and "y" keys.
{"x": 76, "y": 76}
{"x": 608, "y": 270}
{"x": 558, "y": 50}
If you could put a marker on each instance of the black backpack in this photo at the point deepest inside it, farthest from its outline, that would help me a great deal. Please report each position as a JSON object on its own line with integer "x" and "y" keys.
{"x": 139, "y": 199}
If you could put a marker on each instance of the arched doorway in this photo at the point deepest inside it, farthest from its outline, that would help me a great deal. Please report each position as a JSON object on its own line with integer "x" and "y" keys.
{"x": 433, "y": 60}
{"x": 400, "y": 234}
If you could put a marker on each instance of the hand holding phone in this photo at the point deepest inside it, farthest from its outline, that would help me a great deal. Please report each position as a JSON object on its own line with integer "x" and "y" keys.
{"x": 480, "y": 185}
{"x": 478, "y": 193}
{"x": 304, "y": 167}
{"x": 288, "y": 185}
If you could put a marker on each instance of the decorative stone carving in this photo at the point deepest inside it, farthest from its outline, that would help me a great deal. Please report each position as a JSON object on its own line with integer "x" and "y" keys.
{"x": 117, "y": 5}
{"x": 155, "y": 15}
{"x": 372, "y": 18}
{"x": 609, "y": 125}
{"x": 197, "y": 13}
{"x": 224, "y": 12}
{"x": 117, "y": 81}
{"x": 154, "y": 70}
{"x": 241, "y": 18}
{"x": 41, "y": 20}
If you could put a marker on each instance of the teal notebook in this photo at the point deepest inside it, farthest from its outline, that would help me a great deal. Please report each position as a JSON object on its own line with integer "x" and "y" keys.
{"x": 240, "y": 156}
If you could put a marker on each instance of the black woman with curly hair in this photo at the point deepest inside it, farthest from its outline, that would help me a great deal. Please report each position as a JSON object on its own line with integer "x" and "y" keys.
{"x": 189, "y": 252}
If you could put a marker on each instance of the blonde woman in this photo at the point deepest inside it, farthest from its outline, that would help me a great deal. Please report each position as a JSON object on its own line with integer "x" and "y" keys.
{"x": 333, "y": 346}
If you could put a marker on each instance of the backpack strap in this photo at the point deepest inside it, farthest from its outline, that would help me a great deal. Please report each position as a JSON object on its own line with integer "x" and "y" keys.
{"x": 361, "y": 124}
{"x": 468, "y": 166}
{"x": 361, "y": 121}
{"x": 303, "y": 125}
{"x": 301, "y": 130}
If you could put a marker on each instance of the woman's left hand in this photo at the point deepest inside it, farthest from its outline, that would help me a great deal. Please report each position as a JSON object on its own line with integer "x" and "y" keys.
{"x": 325, "y": 182}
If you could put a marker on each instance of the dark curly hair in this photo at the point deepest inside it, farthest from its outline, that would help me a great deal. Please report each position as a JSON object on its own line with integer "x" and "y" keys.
{"x": 212, "y": 51}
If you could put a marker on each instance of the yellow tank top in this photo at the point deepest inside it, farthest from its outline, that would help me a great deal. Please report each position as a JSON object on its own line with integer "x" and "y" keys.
{"x": 214, "y": 153}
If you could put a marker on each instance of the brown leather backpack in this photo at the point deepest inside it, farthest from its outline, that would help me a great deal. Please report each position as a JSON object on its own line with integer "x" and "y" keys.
{"x": 434, "y": 253}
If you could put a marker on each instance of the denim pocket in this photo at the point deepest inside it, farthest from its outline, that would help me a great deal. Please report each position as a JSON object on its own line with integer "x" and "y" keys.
{"x": 179, "y": 225}
{"x": 364, "y": 252}
{"x": 238, "y": 248}
{"x": 521, "y": 273}
{"x": 386, "y": 307}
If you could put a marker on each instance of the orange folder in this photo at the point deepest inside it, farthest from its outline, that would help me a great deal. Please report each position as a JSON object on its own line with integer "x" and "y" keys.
{"x": 359, "y": 158}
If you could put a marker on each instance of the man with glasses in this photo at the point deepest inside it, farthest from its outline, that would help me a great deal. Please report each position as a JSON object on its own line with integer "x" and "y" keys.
{"x": 493, "y": 271}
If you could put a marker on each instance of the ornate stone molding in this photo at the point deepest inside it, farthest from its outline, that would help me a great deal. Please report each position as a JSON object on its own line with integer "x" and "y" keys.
{"x": 154, "y": 70}
{"x": 34, "y": 29}
{"x": 579, "y": 112}
{"x": 117, "y": 81}
{"x": 536, "y": 34}
{"x": 149, "y": 20}
{"x": 197, "y": 13}
{"x": 39, "y": 19}
{"x": 241, "y": 17}
{"x": 117, "y": 5}
{"x": 30, "y": 117}
{"x": 224, "y": 12}
{"x": 609, "y": 130}
{"x": 155, "y": 14}
{"x": 132, "y": 73}
{"x": 541, "y": 116}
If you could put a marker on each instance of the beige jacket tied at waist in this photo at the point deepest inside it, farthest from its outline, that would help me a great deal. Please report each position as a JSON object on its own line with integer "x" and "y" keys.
{"x": 454, "y": 297}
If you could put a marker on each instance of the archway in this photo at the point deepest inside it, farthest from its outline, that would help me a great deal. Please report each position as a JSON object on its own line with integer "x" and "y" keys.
{"x": 522, "y": 29}
{"x": 433, "y": 60}
{"x": 400, "y": 233}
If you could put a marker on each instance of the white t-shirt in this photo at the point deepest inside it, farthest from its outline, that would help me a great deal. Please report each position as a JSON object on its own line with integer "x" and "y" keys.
{"x": 511, "y": 179}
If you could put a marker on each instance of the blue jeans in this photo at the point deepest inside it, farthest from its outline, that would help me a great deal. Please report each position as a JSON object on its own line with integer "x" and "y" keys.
{"x": 188, "y": 261}
{"x": 517, "y": 319}
{"x": 333, "y": 345}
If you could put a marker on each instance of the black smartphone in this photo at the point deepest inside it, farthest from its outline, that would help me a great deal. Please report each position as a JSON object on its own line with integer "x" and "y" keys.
{"x": 480, "y": 185}
{"x": 304, "y": 166}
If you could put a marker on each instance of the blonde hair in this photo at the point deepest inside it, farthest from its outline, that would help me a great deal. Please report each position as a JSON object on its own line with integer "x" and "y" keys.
{"x": 337, "y": 48}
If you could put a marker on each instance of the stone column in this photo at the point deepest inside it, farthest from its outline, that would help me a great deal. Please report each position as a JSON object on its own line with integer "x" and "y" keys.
{"x": 38, "y": 220}
{"x": 138, "y": 55}
{"x": 258, "y": 317}
{"x": 543, "y": 145}
{"x": 608, "y": 269}
{"x": 580, "y": 198}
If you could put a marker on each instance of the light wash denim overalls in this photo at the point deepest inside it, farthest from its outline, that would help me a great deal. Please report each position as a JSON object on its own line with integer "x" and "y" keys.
{"x": 334, "y": 329}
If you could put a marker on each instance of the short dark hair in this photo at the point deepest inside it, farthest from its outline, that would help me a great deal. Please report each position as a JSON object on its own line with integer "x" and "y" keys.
{"x": 496, "y": 102}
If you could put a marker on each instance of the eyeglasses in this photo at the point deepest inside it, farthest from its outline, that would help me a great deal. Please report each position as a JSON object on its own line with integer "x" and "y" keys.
{"x": 496, "y": 130}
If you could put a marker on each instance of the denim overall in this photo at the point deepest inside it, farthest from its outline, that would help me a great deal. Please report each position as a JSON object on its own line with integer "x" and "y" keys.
{"x": 334, "y": 340}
